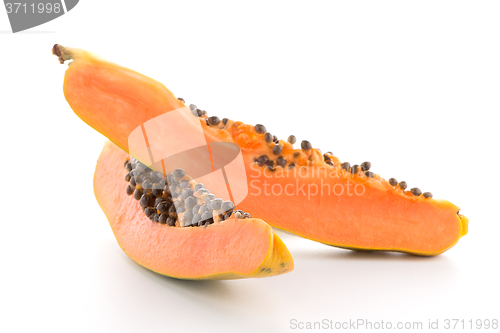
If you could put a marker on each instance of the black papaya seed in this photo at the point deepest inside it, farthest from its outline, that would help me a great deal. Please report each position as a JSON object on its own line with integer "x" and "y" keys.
{"x": 277, "y": 149}
{"x": 281, "y": 161}
{"x": 365, "y": 166}
{"x": 262, "y": 160}
{"x": 149, "y": 211}
{"x": 137, "y": 194}
{"x": 260, "y": 129}
{"x": 171, "y": 221}
{"x": 416, "y": 191}
{"x": 268, "y": 137}
{"x": 214, "y": 120}
{"x": 163, "y": 218}
{"x": 227, "y": 206}
{"x": 305, "y": 145}
{"x": 179, "y": 173}
{"x": 130, "y": 190}
{"x": 163, "y": 207}
{"x": 146, "y": 200}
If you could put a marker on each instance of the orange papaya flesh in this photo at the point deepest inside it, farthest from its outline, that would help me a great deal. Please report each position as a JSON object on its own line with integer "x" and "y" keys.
{"x": 299, "y": 190}
{"x": 234, "y": 248}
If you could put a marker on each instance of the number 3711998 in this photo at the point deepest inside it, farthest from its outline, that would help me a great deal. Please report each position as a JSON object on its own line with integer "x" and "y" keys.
{"x": 23, "y": 8}
{"x": 471, "y": 324}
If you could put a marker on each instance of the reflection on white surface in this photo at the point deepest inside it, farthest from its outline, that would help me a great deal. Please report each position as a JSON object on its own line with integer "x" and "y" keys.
{"x": 326, "y": 283}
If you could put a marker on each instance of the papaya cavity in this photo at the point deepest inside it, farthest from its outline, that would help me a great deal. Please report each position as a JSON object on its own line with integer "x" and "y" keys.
{"x": 176, "y": 199}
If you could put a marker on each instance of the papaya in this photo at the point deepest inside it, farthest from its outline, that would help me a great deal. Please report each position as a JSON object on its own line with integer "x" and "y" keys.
{"x": 296, "y": 189}
{"x": 235, "y": 246}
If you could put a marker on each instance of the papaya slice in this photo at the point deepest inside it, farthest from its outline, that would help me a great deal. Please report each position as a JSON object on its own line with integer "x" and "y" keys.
{"x": 238, "y": 247}
{"x": 299, "y": 190}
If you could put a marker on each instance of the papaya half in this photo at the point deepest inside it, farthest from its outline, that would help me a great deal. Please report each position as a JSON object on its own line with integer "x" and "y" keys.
{"x": 237, "y": 247}
{"x": 300, "y": 190}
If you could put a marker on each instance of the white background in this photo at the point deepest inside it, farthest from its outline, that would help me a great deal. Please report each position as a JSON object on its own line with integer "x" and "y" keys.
{"x": 412, "y": 87}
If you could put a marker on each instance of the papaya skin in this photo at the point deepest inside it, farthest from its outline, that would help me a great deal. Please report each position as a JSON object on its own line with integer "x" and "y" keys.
{"x": 384, "y": 218}
{"x": 231, "y": 249}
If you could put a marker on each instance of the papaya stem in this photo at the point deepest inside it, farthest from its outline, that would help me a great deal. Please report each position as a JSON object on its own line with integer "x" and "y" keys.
{"x": 61, "y": 53}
